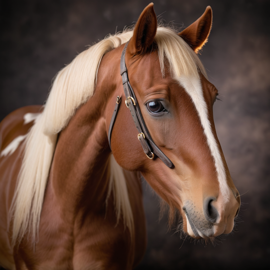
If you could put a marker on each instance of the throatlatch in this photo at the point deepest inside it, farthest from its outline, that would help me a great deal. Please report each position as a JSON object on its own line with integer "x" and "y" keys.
{"x": 149, "y": 147}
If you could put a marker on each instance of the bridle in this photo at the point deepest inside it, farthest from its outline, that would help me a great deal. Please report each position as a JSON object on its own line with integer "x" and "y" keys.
{"x": 149, "y": 147}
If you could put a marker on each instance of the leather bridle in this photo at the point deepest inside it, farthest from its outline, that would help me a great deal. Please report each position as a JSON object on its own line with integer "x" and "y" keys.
{"x": 149, "y": 147}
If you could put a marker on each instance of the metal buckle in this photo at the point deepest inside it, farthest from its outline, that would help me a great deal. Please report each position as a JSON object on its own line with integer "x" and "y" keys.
{"x": 134, "y": 103}
{"x": 118, "y": 99}
{"x": 152, "y": 155}
{"x": 140, "y": 134}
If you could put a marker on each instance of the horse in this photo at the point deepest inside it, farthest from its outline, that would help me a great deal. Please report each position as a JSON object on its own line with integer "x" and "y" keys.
{"x": 70, "y": 188}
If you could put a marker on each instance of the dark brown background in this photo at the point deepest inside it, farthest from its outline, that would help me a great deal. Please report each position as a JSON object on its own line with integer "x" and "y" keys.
{"x": 39, "y": 37}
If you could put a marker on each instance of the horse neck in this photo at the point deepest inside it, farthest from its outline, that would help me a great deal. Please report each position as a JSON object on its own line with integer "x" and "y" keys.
{"x": 80, "y": 172}
{"x": 80, "y": 165}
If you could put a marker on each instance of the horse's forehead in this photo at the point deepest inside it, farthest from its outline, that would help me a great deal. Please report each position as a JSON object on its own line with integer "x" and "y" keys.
{"x": 146, "y": 71}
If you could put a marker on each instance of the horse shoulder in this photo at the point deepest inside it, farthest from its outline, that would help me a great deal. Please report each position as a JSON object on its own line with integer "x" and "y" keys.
{"x": 102, "y": 244}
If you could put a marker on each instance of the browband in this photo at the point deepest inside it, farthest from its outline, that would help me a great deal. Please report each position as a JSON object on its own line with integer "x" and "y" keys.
{"x": 149, "y": 147}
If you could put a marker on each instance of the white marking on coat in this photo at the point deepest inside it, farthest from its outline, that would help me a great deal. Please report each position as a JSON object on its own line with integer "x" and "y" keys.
{"x": 11, "y": 148}
{"x": 189, "y": 229}
{"x": 29, "y": 117}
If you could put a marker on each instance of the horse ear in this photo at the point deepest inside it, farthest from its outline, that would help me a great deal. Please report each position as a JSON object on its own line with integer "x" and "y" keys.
{"x": 197, "y": 33}
{"x": 144, "y": 31}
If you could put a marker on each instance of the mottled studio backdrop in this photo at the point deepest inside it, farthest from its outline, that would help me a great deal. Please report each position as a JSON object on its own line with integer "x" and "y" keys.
{"x": 38, "y": 38}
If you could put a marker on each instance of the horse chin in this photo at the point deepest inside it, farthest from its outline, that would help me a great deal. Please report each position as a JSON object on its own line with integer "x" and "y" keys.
{"x": 195, "y": 233}
{"x": 201, "y": 231}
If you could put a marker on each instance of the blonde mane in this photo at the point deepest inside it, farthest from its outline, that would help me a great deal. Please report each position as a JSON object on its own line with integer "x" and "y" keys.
{"x": 73, "y": 86}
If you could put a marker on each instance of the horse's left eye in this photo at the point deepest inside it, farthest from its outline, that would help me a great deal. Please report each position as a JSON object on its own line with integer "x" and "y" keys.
{"x": 155, "y": 106}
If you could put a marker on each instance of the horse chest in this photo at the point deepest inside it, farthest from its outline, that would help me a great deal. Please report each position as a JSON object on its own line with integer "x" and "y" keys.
{"x": 89, "y": 240}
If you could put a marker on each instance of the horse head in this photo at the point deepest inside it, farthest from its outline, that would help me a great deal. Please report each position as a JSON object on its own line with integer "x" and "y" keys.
{"x": 176, "y": 102}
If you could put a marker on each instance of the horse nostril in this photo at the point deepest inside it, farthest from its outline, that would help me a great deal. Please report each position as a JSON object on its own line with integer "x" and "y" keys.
{"x": 210, "y": 211}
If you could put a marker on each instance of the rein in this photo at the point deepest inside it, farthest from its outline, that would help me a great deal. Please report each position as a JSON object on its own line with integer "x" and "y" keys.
{"x": 149, "y": 147}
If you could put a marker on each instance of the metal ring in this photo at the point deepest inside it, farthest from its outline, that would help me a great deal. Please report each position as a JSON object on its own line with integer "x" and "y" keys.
{"x": 152, "y": 155}
{"x": 118, "y": 99}
{"x": 140, "y": 134}
{"x": 134, "y": 103}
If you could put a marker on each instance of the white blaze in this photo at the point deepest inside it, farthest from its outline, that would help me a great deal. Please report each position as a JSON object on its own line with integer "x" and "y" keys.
{"x": 193, "y": 87}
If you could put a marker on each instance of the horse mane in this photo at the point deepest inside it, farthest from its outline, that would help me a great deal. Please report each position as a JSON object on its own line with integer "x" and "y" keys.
{"x": 72, "y": 87}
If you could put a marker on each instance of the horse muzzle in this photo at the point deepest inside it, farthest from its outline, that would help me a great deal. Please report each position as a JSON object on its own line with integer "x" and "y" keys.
{"x": 211, "y": 220}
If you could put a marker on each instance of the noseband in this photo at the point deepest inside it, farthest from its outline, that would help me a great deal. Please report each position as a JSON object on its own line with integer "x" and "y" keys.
{"x": 149, "y": 147}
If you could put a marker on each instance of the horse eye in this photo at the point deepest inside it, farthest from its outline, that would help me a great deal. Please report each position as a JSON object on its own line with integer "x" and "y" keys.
{"x": 155, "y": 106}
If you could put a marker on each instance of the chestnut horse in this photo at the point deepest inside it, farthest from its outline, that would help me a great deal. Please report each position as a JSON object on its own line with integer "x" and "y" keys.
{"x": 72, "y": 199}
